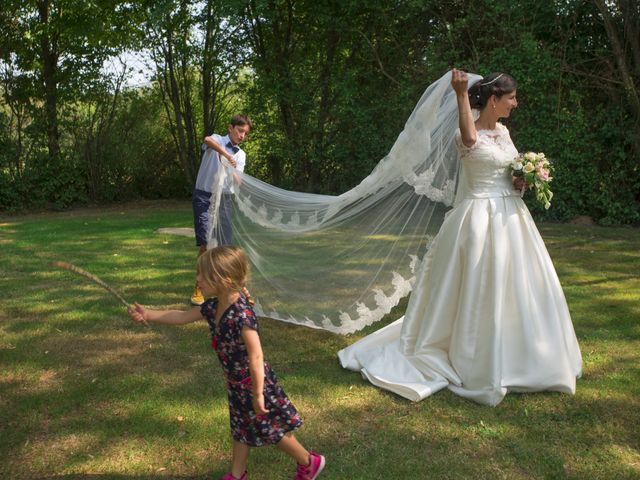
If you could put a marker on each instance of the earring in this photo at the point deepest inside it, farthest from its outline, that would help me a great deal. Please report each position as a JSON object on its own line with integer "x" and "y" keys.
{"x": 494, "y": 106}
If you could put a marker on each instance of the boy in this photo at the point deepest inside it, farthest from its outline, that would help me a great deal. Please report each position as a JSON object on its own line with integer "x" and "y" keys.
{"x": 217, "y": 147}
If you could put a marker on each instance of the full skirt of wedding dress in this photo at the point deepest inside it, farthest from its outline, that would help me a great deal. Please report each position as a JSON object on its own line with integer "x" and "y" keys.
{"x": 487, "y": 314}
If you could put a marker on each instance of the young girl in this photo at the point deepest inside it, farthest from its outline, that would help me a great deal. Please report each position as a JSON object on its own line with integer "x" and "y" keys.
{"x": 259, "y": 410}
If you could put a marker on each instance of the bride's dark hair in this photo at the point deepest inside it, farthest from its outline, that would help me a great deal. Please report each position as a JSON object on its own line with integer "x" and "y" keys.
{"x": 493, "y": 84}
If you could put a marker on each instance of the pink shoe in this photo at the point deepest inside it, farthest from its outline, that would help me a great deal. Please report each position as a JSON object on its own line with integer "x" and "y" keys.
{"x": 229, "y": 476}
{"x": 311, "y": 471}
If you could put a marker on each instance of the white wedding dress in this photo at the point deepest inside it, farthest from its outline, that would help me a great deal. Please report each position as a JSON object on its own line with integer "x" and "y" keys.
{"x": 487, "y": 313}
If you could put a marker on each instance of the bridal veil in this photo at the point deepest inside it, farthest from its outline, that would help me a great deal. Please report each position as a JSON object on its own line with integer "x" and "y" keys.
{"x": 342, "y": 262}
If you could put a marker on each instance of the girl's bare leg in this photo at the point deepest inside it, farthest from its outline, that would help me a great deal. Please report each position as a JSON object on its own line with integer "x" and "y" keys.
{"x": 292, "y": 447}
{"x": 239, "y": 459}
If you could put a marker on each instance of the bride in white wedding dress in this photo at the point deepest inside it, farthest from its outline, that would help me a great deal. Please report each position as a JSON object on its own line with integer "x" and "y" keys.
{"x": 487, "y": 314}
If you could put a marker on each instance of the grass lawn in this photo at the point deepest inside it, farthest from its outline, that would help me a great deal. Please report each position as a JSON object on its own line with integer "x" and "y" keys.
{"x": 85, "y": 393}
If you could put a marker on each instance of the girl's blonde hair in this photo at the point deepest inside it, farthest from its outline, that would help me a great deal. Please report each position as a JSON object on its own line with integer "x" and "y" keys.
{"x": 225, "y": 265}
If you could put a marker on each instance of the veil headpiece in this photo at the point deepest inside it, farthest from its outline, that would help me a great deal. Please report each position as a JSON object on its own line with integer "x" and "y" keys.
{"x": 491, "y": 81}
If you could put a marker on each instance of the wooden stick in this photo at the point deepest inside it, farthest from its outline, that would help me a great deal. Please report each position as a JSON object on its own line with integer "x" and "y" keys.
{"x": 94, "y": 279}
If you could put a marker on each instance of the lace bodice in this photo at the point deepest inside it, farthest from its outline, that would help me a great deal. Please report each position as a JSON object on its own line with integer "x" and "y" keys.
{"x": 485, "y": 164}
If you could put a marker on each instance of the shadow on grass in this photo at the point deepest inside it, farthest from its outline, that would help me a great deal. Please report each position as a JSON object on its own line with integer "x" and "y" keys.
{"x": 362, "y": 429}
{"x": 109, "y": 476}
{"x": 84, "y": 390}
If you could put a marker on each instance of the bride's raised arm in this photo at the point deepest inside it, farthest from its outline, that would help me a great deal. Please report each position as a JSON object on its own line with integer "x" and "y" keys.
{"x": 459, "y": 82}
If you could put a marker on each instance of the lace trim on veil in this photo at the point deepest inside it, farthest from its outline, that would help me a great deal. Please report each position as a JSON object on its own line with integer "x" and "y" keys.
{"x": 365, "y": 315}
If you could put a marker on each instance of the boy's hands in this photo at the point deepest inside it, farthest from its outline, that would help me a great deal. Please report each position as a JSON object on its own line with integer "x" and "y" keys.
{"x": 212, "y": 143}
{"x": 232, "y": 161}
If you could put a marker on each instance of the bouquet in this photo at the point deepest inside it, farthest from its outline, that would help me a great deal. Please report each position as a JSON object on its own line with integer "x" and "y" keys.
{"x": 535, "y": 169}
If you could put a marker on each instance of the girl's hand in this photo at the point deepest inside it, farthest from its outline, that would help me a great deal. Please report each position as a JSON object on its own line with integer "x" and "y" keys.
{"x": 459, "y": 81}
{"x": 258, "y": 404}
{"x": 138, "y": 314}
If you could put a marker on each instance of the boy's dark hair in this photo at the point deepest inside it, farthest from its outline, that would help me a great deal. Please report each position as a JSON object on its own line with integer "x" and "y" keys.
{"x": 241, "y": 120}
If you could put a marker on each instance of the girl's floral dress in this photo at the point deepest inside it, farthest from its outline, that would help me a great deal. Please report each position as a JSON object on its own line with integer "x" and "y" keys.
{"x": 246, "y": 426}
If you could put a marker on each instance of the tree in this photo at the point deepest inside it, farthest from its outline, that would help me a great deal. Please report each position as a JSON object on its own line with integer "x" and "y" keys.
{"x": 621, "y": 20}
{"x": 58, "y": 45}
{"x": 53, "y": 52}
{"x": 195, "y": 57}
{"x": 330, "y": 79}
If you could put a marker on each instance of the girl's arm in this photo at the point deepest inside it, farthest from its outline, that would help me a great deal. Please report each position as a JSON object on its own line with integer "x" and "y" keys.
{"x": 167, "y": 317}
{"x": 459, "y": 82}
{"x": 256, "y": 368}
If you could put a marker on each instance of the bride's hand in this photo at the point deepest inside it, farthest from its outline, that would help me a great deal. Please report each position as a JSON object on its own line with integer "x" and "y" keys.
{"x": 459, "y": 81}
{"x": 519, "y": 183}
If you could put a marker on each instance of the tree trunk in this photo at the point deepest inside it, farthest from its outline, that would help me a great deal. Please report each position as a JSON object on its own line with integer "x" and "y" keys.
{"x": 620, "y": 58}
{"x": 624, "y": 69}
{"x": 208, "y": 70}
{"x": 175, "y": 111}
{"x": 324, "y": 107}
{"x": 272, "y": 58}
{"x": 49, "y": 56}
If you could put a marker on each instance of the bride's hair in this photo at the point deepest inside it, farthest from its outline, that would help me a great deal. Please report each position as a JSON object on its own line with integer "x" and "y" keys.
{"x": 493, "y": 84}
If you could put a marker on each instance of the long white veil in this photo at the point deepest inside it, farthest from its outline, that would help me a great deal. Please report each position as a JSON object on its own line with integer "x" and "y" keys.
{"x": 342, "y": 262}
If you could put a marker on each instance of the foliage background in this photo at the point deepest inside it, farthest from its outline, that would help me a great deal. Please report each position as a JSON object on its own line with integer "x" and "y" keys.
{"x": 329, "y": 84}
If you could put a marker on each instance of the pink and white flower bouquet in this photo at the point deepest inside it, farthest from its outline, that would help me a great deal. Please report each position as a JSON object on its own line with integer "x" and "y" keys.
{"x": 535, "y": 169}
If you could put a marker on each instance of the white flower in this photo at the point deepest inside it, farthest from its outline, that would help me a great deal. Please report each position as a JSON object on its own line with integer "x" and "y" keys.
{"x": 517, "y": 166}
{"x": 528, "y": 167}
{"x": 530, "y": 156}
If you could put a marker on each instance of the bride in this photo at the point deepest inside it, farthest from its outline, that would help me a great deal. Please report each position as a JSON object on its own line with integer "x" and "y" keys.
{"x": 487, "y": 314}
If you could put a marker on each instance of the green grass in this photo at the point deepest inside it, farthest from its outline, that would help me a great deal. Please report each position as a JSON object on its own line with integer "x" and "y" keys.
{"x": 84, "y": 393}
